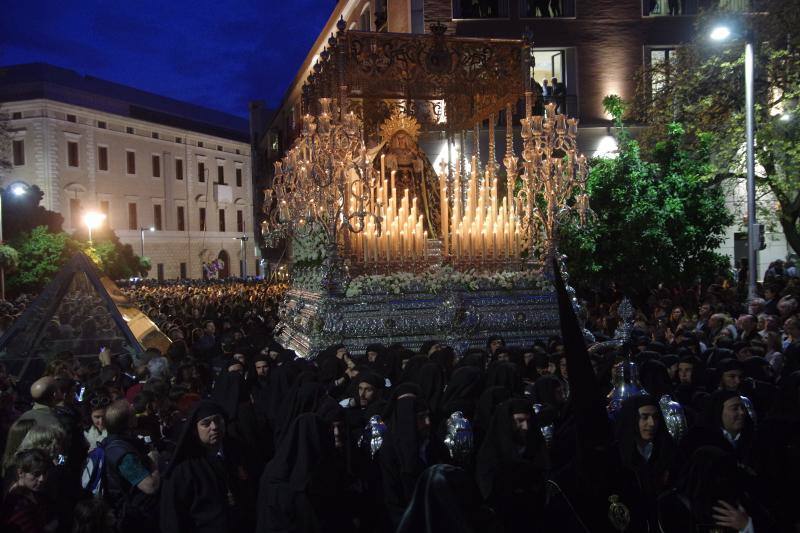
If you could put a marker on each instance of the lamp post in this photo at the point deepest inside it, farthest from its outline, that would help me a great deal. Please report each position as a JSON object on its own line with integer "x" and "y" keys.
{"x": 141, "y": 234}
{"x": 93, "y": 219}
{"x": 243, "y": 252}
{"x": 722, "y": 33}
{"x": 17, "y": 189}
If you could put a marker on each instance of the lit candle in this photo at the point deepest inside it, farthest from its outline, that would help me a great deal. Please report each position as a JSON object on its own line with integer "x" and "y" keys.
{"x": 393, "y": 184}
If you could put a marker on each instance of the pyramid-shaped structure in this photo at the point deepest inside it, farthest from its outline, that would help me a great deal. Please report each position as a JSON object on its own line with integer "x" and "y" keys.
{"x": 81, "y": 311}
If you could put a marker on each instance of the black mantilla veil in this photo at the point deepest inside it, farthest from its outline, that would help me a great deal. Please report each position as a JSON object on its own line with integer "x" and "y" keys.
{"x": 711, "y": 475}
{"x": 232, "y": 393}
{"x": 503, "y": 446}
{"x": 306, "y": 396}
{"x": 462, "y": 392}
{"x": 300, "y": 487}
{"x": 230, "y": 389}
{"x": 200, "y": 491}
{"x": 189, "y": 444}
{"x": 489, "y": 399}
{"x": 648, "y": 470}
{"x": 445, "y": 499}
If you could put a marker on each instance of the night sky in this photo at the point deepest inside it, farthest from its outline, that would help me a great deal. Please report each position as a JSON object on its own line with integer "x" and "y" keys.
{"x": 219, "y": 54}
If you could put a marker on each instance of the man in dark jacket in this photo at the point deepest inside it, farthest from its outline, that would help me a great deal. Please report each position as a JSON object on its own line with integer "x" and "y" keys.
{"x": 132, "y": 480}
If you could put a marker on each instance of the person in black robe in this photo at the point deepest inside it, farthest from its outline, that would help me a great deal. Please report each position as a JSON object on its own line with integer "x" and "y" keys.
{"x": 489, "y": 399}
{"x": 777, "y": 452}
{"x": 231, "y": 392}
{"x": 510, "y": 466}
{"x": 412, "y": 368}
{"x": 712, "y": 494}
{"x": 333, "y": 369}
{"x": 548, "y": 391}
{"x": 382, "y": 361}
{"x": 406, "y": 449}
{"x": 462, "y": 392}
{"x": 646, "y": 453}
{"x": 261, "y": 395}
{"x": 587, "y": 487}
{"x": 504, "y": 374}
{"x": 306, "y": 396}
{"x": 445, "y": 499}
{"x": 725, "y": 425}
{"x": 200, "y": 491}
{"x": 280, "y": 380}
{"x": 300, "y": 487}
{"x": 432, "y": 379}
{"x": 445, "y": 356}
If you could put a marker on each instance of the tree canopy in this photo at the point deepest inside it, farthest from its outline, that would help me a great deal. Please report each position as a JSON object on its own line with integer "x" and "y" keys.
{"x": 654, "y": 221}
{"x": 702, "y": 87}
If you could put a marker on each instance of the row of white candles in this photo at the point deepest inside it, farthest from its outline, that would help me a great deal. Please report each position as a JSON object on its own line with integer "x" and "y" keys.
{"x": 481, "y": 228}
{"x": 484, "y": 227}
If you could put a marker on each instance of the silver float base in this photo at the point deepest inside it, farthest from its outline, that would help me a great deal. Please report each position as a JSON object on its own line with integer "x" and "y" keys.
{"x": 312, "y": 321}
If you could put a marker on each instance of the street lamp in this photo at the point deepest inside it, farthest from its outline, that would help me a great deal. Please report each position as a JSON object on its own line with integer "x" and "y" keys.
{"x": 93, "y": 219}
{"x": 243, "y": 252}
{"x": 141, "y": 232}
{"x": 17, "y": 189}
{"x": 721, "y": 33}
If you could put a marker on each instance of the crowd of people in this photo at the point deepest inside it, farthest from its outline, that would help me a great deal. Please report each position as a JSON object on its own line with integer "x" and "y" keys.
{"x": 230, "y": 431}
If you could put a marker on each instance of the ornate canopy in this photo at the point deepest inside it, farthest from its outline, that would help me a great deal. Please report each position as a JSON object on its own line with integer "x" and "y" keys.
{"x": 446, "y": 82}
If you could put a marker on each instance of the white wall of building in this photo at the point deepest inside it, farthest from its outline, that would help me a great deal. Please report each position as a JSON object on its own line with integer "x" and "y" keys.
{"x": 46, "y": 128}
{"x": 777, "y": 246}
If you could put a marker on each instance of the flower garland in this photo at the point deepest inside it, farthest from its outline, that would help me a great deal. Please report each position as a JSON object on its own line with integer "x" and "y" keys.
{"x": 435, "y": 280}
{"x": 307, "y": 278}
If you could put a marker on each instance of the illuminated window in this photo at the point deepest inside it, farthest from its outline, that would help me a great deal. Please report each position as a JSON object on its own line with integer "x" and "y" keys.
{"x": 540, "y": 9}
{"x": 660, "y": 62}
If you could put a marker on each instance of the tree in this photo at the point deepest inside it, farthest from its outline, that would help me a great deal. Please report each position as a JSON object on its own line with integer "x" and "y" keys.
{"x": 115, "y": 259}
{"x": 41, "y": 255}
{"x": 654, "y": 222}
{"x": 703, "y": 89}
{"x": 23, "y": 213}
{"x": 9, "y": 258}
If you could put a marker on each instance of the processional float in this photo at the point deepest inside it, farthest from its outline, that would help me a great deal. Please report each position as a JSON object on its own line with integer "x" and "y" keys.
{"x": 387, "y": 248}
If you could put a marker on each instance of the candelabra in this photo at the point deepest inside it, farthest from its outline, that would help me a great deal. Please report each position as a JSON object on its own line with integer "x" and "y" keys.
{"x": 553, "y": 177}
{"x": 323, "y": 184}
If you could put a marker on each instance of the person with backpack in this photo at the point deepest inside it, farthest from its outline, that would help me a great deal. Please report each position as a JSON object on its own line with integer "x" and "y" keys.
{"x": 129, "y": 473}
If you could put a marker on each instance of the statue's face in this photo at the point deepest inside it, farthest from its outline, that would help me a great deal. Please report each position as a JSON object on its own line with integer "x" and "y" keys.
{"x": 401, "y": 141}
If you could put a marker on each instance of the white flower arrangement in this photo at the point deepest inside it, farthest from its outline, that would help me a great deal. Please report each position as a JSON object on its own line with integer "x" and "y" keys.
{"x": 309, "y": 247}
{"x": 435, "y": 280}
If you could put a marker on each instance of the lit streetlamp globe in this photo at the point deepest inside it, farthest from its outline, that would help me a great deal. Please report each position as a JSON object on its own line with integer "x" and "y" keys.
{"x": 720, "y": 33}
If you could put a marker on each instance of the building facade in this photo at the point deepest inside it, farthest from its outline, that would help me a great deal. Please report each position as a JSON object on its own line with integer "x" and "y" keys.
{"x": 173, "y": 179}
{"x": 594, "y": 47}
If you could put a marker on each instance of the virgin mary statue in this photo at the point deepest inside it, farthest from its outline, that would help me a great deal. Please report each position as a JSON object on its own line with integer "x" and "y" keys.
{"x": 413, "y": 171}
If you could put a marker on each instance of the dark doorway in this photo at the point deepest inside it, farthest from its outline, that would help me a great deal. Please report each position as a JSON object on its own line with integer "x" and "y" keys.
{"x": 225, "y": 271}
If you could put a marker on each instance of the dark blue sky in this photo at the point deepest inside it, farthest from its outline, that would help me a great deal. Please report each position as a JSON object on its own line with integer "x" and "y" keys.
{"x": 219, "y": 54}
